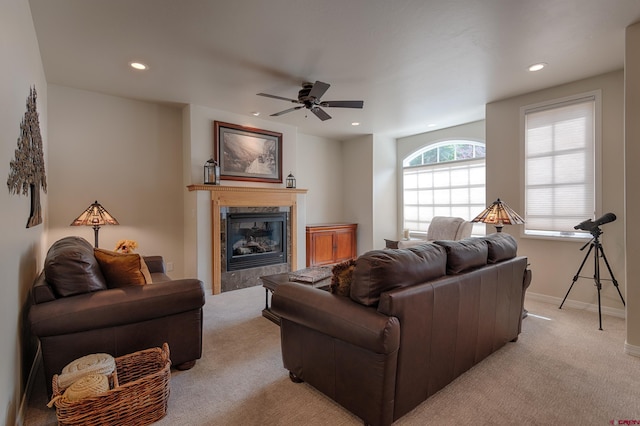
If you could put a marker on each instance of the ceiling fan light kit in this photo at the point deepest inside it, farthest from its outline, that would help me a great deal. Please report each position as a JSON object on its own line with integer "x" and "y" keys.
{"x": 309, "y": 98}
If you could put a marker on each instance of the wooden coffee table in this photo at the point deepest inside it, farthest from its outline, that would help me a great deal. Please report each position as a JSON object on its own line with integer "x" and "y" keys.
{"x": 270, "y": 282}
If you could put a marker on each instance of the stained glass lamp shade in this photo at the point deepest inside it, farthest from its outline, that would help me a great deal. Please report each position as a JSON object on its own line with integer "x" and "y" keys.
{"x": 499, "y": 214}
{"x": 95, "y": 215}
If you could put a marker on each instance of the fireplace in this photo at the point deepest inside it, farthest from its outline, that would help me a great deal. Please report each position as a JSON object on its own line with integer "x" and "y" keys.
{"x": 226, "y": 199}
{"x": 256, "y": 239}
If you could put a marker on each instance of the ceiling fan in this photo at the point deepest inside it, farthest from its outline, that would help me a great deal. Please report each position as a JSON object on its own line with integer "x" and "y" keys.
{"x": 309, "y": 98}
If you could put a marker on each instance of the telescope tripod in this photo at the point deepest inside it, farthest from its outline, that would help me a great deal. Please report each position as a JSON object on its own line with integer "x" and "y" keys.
{"x": 596, "y": 247}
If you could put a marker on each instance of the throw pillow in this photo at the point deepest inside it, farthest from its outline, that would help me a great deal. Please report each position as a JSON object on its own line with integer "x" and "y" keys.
{"x": 120, "y": 270}
{"x": 378, "y": 271}
{"x": 502, "y": 246}
{"x": 70, "y": 268}
{"x": 466, "y": 254}
{"x": 342, "y": 277}
{"x": 145, "y": 271}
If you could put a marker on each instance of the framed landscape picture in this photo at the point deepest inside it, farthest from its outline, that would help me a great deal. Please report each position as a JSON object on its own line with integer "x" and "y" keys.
{"x": 246, "y": 153}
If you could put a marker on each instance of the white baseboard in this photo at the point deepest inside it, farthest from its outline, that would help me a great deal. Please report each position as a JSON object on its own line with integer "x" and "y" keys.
{"x": 24, "y": 402}
{"x": 614, "y": 312}
{"x": 631, "y": 349}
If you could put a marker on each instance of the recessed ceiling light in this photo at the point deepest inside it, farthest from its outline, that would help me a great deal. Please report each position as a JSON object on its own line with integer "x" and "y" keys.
{"x": 355, "y": 123}
{"x": 255, "y": 113}
{"x": 537, "y": 67}
{"x": 138, "y": 65}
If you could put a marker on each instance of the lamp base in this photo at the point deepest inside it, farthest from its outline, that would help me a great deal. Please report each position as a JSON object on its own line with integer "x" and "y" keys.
{"x": 96, "y": 228}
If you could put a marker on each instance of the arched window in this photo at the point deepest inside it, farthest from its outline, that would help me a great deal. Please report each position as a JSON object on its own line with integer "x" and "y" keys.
{"x": 444, "y": 179}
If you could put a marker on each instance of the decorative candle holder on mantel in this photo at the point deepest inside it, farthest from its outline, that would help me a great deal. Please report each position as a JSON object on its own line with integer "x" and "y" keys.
{"x": 245, "y": 196}
{"x": 291, "y": 181}
{"x": 211, "y": 172}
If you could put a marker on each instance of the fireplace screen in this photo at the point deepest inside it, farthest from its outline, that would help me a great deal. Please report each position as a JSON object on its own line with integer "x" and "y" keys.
{"x": 256, "y": 239}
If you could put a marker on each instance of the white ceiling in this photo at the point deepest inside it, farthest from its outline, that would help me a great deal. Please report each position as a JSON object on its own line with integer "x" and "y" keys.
{"x": 413, "y": 62}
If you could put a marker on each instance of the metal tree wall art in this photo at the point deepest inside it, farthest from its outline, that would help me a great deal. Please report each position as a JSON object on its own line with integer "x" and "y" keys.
{"x": 27, "y": 169}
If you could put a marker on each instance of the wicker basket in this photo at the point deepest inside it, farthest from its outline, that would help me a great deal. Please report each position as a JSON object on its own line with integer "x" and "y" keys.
{"x": 139, "y": 398}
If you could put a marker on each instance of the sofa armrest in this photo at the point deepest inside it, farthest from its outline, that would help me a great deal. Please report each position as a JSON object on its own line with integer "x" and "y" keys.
{"x": 115, "y": 307}
{"x": 41, "y": 291}
{"x": 337, "y": 316}
{"x": 154, "y": 263}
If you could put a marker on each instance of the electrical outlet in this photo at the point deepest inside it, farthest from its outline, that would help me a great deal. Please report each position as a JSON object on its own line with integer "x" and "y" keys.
{"x": 169, "y": 266}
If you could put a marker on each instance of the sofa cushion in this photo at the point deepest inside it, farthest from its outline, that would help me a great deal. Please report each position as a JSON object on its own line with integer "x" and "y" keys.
{"x": 71, "y": 268}
{"x": 120, "y": 269}
{"x": 378, "y": 271}
{"x": 342, "y": 278}
{"x": 501, "y": 247}
{"x": 465, "y": 254}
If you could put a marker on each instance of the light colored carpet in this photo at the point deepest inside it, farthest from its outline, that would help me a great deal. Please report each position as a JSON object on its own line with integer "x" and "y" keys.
{"x": 562, "y": 370}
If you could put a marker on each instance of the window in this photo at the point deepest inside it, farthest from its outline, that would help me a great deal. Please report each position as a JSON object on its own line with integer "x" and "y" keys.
{"x": 560, "y": 165}
{"x": 443, "y": 179}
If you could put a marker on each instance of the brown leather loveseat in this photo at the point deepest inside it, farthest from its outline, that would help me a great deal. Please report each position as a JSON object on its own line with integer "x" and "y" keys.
{"x": 80, "y": 306}
{"x": 415, "y": 319}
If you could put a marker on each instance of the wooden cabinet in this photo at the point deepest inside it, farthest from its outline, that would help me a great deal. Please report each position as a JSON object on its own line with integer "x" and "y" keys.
{"x": 331, "y": 243}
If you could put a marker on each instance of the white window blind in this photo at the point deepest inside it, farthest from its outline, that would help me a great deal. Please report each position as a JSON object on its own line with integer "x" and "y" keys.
{"x": 445, "y": 189}
{"x": 560, "y": 172}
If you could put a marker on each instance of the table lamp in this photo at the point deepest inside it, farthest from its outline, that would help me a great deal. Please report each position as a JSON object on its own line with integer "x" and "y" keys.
{"x": 95, "y": 215}
{"x": 499, "y": 214}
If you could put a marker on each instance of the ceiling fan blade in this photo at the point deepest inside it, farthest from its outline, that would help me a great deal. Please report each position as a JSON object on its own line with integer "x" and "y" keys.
{"x": 320, "y": 113}
{"x": 318, "y": 89}
{"x": 342, "y": 104}
{"x": 286, "y": 111}
{"x": 295, "y": 101}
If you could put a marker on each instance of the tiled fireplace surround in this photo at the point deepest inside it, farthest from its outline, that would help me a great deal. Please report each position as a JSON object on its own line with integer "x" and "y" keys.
{"x": 226, "y": 198}
{"x": 250, "y": 276}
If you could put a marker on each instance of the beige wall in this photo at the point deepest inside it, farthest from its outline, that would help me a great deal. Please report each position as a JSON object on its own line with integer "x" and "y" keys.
{"x": 554, "y": 263}
{"x": 319, "y": 170}
{"x": 384, "y": 210}
{"x": 21, "y": 249}
{"x": 358, "y": 188}
{"x": 632, "y": 178}
{"x": 368, "y": 188}
{"x": 127, "y": 155}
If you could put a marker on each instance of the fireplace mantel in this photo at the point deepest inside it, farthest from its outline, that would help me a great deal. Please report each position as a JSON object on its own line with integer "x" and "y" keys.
{"x": 243, "y": 196}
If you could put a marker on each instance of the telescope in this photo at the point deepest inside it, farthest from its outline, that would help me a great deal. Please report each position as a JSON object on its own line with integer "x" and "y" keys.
{"x": 589, "y": 225}
{"x": 595, "y": 246}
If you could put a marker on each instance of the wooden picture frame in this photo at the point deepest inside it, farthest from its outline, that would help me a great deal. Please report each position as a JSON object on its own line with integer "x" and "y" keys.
{"x": 247, "y": 154}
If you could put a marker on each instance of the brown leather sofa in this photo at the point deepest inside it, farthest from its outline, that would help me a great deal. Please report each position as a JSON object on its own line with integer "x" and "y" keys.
{"x": 74, "y": 312}
{"x": 415, "y": 320}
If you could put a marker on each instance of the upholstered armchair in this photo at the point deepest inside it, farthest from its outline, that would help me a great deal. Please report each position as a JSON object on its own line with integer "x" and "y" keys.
{"x": 442, "y": 228}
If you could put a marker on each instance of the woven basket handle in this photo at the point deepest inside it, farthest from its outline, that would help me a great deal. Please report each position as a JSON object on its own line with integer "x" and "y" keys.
{"x": 53, "y": 401}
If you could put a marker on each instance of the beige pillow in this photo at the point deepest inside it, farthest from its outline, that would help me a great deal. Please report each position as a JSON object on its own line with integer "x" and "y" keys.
{"x": 145, "y": 271}
{"x": 120, "y": 269}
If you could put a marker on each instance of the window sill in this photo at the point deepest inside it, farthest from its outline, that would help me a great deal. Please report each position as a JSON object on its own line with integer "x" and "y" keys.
{"x": 572, "y": 237}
